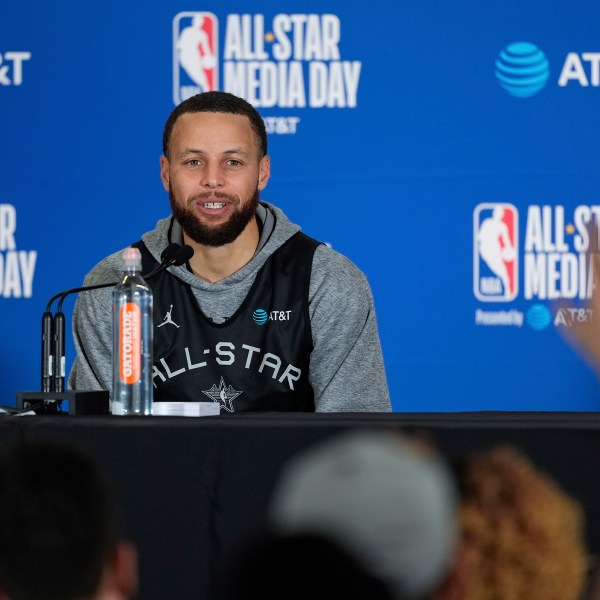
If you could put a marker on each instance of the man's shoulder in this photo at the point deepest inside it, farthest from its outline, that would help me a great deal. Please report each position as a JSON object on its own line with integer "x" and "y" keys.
{"x": 329, "y": 264}
{"x": 106, "y": 270}
{"x": 109, "y": 268}
{"x": 338, "y": 285}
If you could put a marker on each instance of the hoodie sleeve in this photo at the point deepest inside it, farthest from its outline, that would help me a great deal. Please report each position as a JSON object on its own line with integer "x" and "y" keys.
{"x": 346, "y": 366}
{"x": 92, "y": 331}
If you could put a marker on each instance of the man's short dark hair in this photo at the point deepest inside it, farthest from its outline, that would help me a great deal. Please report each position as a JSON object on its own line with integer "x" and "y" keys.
{"x": 218, "y": 102}
{"x": 58, "y": 522}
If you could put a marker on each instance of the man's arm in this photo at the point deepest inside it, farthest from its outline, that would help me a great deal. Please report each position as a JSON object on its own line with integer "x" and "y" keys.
{"x": 92, "y": 331}
{"x": 92, "y": 334}
{"x": 346, "y": 366}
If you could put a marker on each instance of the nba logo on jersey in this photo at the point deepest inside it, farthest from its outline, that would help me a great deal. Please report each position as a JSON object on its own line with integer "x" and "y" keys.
{"x": 195, "y": 54}
{"x": 495, "y": 252}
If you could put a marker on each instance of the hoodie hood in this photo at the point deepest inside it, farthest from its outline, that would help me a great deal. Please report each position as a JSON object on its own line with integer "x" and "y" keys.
{"x": 276, "y": 230}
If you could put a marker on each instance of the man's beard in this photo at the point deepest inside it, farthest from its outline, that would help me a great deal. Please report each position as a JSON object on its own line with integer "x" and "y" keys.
{"x": 214, "y": 235}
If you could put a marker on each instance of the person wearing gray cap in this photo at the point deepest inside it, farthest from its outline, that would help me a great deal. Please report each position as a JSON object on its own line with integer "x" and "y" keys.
{"x": 385, "y": 499}
{"x": 494, "y": 527}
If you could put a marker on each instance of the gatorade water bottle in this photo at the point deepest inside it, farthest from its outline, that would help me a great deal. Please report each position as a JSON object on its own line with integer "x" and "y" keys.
{"x": 132, "y": 340}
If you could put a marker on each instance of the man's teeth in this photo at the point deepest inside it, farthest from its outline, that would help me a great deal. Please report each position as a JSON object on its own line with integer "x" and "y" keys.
{"x": 214, "y": 204}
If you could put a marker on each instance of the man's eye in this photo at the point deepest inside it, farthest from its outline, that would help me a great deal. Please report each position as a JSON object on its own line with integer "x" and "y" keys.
{"x": 232, "y": 162}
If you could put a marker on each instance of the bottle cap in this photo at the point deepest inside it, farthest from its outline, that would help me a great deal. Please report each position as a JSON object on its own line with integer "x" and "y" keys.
{"x": 132, "y": 257}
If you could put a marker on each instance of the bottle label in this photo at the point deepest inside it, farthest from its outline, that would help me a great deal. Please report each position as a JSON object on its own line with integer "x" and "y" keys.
{"x": 130, "y": 359}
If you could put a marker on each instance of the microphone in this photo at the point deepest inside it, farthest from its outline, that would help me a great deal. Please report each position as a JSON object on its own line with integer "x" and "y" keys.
{"x": 53, "y": 327}
{"x": 174, "y": 255}
{"x": 47, "y": 321}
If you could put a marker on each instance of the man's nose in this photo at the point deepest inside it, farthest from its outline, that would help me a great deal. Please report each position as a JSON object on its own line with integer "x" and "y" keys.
{"x": 212, "y": 176}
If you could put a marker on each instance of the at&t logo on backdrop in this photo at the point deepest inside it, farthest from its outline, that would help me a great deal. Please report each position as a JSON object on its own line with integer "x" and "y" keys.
{"x": 195, "y": 54}
{"x": 495, "y": 252}
{"x": 11, "y": 67}
{"x": 522, "y": 69}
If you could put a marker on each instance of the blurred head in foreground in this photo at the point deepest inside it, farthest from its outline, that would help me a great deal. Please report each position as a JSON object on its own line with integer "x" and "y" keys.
{"x": 58, "y": 528}
{"x": 387, "y": 501}
{"x": 510, "y": 534}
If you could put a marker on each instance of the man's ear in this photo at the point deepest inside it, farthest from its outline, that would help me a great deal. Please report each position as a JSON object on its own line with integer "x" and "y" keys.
{"x": 264, "y": 172}
{"x": 455, "y": 584}
{"x": 127, "y": 574}
{"x": 164, "y": 172}
{"x": 120, "y": 580}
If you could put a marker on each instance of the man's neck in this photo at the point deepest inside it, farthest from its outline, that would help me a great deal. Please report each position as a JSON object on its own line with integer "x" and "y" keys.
{"x": 214, "y": 263}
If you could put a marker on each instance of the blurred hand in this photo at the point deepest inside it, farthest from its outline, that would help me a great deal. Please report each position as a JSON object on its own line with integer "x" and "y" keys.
{"x": 584, "y": 335}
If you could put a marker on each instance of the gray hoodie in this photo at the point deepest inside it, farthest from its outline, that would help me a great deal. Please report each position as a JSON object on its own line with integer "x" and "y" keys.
{"x": 346, "y": 365}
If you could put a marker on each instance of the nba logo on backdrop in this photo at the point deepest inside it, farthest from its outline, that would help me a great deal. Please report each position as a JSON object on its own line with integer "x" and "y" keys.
{"x": 195, "y": 54}
{"x": 495, "y": 252}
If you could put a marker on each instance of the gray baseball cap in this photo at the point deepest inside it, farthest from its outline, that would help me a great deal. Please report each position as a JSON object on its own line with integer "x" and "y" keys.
{"x": 384, "y": 498}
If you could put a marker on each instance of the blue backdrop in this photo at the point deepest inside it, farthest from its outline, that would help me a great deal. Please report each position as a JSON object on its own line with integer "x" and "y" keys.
{"x": 449, "y": 149}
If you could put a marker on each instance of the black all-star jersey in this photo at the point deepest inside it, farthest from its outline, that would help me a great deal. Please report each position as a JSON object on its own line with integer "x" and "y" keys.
{"x": 258, "y": 359}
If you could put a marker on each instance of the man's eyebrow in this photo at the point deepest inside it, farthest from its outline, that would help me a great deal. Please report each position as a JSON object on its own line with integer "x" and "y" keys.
{"x": 188, "y": 151}
{"x": 197, "y": 151}
{"x": 237, "y": 151}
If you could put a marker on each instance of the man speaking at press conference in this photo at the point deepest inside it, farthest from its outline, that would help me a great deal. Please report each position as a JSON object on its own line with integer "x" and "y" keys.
{"x": 262, "y": 317}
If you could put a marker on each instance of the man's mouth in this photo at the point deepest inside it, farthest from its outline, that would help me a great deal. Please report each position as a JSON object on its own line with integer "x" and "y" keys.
{"x": 213, "y": 204}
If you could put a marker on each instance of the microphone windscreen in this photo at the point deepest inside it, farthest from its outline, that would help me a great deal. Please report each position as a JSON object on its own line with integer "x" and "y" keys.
{"x": 182, "y": 255}
{"x": 169, "y": 251}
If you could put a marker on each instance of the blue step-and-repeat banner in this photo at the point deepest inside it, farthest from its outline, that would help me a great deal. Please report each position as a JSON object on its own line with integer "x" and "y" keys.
{"x": 450, "y": 149}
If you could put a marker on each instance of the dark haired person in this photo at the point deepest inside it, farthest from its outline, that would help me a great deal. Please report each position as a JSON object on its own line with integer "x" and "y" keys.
{"x": 265, "y": 567}
{"x": 58, "y": 528}
{"x": 262, "y": 318}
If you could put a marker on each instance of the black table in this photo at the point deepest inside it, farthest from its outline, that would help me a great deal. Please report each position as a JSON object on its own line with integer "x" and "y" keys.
{"x": 191, "y": 488}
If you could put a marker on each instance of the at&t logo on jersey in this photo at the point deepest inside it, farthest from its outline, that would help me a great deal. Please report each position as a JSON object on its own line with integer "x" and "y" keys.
{"x": 495, "y": 252}
{"x": 260, "y": 316}
{"x": 195, "y": 54}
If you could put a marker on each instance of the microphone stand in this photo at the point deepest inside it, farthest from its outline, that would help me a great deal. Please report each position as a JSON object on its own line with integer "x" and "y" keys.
{"x": 81, "y": 402}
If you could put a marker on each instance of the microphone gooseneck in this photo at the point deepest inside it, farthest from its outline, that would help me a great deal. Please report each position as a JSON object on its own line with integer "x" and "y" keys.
{"x": 174, "y": 255}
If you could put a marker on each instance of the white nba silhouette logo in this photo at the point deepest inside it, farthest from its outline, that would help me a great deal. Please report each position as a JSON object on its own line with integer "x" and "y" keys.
{"x": 495, "y": 258}
{"x": 195, "y": 54}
